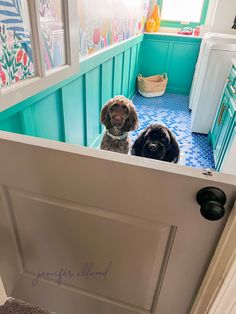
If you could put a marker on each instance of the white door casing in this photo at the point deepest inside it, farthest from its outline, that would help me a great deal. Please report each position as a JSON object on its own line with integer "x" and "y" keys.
{"x": 3, "y": 295}
{"x": 217, "y": 292}
{"x": 65, "y": 207}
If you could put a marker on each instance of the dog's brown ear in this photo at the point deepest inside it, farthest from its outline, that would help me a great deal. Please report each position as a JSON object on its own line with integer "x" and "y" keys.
{"x": 104, "y": 112}
{"x": 132, "y": 122}
{"x": 104, "y": 117}
{"x": 172, "y": 155}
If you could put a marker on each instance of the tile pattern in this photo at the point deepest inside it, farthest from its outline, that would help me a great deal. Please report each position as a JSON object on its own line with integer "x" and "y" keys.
{"x": 172, "y": 111}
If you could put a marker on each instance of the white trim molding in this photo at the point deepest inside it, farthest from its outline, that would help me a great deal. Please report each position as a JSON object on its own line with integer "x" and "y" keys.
{"x": 217, "y": 293}
{"x": 42, "y": 80}
{"x": 225, "y": 298}
{"x": 3, "y": 295}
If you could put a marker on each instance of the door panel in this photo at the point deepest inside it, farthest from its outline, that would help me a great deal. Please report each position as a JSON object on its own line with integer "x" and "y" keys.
{"x": 32, "y": 214}
{"x": 90, "y": 231}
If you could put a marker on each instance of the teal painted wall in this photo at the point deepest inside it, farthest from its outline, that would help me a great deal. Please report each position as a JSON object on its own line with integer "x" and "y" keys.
{"x": 70, "y": 111}
{"x": 12, "y": 124}
{"x": 175, "y": 55}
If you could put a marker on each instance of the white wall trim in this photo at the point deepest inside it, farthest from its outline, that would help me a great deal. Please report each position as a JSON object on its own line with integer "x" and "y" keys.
{"x": 224, "y": 299}
{"x": 36, "y": 34}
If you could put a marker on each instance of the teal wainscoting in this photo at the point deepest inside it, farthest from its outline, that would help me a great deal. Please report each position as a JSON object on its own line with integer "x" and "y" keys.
{"x": 70, "y": 111}
{"x": 175, "y": 55}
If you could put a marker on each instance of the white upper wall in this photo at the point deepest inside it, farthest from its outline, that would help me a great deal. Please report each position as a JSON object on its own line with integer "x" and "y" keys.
{"x": 220, "y": 16}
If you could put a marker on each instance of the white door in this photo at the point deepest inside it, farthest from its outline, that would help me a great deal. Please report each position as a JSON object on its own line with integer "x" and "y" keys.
{"x": 94, "y": 232}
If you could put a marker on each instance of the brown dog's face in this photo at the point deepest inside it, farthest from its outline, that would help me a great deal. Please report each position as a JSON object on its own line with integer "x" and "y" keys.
{"x": 119, "y": 113}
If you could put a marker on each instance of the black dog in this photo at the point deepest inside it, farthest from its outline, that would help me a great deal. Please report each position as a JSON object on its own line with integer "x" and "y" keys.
{"x": 157, "y": 142}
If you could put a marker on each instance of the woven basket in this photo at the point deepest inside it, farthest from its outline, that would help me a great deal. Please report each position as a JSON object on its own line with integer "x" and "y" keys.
{"x": 152, "y": 86}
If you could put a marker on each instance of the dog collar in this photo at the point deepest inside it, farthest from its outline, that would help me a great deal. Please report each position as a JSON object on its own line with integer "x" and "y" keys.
{"x": 118, "y": 137}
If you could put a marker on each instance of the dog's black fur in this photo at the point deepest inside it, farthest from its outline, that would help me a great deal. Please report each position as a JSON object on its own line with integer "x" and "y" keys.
{"x": 157, "y": 142}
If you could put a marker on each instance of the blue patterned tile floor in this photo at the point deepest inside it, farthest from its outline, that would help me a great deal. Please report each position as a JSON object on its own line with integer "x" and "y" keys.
{"x": 172, "y": 111}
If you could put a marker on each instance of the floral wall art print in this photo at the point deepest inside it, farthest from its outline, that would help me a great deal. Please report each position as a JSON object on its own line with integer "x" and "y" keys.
{"x": 16, "y": 61}
{"x": 107, "y": 22}
{"x": 16, "y": 57}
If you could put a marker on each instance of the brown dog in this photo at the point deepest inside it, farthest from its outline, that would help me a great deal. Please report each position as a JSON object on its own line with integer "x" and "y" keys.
{"x": 119, "y": 117}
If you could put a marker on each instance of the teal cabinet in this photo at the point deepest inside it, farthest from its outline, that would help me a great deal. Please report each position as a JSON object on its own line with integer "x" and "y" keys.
{"x": 228, "y": 112}
{"x": 222, "y": 130}
{"x": 175, "y": 55}
{"x": 228, "y": 164}
{"x": 220, "y": 117}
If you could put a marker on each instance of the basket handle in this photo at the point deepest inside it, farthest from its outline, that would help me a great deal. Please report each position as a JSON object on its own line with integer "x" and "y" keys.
{"x": 164, "y": 75}
{"x": 140, "y": 77}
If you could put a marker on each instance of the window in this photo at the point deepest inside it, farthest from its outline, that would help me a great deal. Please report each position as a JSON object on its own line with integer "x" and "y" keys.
{"x": 176, "y": 13}
{"x": 51, "y": 35}
{"x": 38, "y": 47}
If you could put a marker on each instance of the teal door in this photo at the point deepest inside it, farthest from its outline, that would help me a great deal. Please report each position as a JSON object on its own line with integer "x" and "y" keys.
{"x": 225, "y": 128}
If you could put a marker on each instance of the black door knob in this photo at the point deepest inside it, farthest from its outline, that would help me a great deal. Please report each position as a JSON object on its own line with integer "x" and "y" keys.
{"x": 212, "y": 201}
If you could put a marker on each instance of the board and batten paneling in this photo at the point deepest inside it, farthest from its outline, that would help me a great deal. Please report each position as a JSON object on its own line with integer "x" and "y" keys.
{"x": 70, "y": 111}
{"x": 74, "y": 112}
{"x": 174, "y": 55}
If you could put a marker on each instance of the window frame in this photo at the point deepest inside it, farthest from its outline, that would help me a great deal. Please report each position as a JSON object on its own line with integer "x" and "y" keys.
{"x": 43, "y": 79}
{"x": 180, "y": 24}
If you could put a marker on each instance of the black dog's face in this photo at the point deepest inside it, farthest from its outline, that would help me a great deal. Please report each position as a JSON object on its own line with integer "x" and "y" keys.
{"x": 156, "y": 143}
